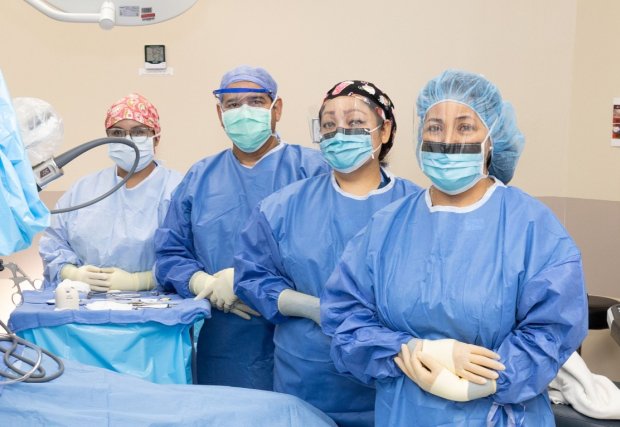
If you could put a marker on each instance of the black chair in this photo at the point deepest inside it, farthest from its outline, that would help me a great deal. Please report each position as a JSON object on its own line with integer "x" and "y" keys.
{"x": 565, "y": 415}
{"x": 597, "y": 311}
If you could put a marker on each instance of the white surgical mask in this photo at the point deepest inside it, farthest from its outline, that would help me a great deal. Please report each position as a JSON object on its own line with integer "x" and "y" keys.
{"x": 124, "y": 155}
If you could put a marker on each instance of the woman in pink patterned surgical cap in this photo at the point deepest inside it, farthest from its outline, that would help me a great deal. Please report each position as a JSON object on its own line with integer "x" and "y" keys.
{"x": 109, "y": 245}
{"x": 135, "y": 118}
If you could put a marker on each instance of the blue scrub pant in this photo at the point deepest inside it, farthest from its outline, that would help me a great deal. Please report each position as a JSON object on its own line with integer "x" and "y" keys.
{"x": 235, "y": 352}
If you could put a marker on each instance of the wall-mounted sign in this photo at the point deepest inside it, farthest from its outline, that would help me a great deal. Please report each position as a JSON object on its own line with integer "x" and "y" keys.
{"x": 615, "y": 124}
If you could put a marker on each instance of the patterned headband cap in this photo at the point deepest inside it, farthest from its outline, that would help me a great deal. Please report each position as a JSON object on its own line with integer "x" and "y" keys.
{"x": 365, "y": 91}
{"x": 133, "y": 107}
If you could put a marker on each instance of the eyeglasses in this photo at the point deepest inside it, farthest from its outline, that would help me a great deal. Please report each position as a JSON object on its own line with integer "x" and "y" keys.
{"x": 251, "y": 101}
{"x": 231, "y": 98}
{"x": 138, "y": 134}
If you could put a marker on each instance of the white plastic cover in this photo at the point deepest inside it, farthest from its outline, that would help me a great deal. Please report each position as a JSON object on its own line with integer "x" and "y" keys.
{"x": 40, "y": 127}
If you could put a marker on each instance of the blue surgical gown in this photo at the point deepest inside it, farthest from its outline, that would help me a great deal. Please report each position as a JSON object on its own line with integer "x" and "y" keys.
{"x": 293, "y": 241}
{"x": 207, "y": 211}
{"x": 502, "y": 273}
{"x": 117, "y": 231}
{"x": 22, "y": 214}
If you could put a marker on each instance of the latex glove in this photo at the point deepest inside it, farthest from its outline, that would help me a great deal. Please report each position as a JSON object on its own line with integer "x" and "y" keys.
{"x": 242, "y": 310}
{"x": 119, "y": 279}
{"x": 218, "y": 288}
{"x": 468, "y": 361}
{"x": 89, "y": 274}
{"x": 432, "y": 377}
{"x": 238, "y": 307}
{"x": 293, "y": 303}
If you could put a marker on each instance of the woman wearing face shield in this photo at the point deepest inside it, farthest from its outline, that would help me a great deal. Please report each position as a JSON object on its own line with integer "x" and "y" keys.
{"x": 463, "y": 301}
{"x": 295, "y": 236}
{"x": 109, "y": 245}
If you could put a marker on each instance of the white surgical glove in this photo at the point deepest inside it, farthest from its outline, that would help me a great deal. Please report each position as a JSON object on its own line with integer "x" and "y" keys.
{"x": 293, "y": 303}
{"x": 119, "y": 279}
{"x": 432, "y": 377}
{"x": 468, "y": 361}
{"x": 218, "y": 288}
{"x": 89, "y": 274}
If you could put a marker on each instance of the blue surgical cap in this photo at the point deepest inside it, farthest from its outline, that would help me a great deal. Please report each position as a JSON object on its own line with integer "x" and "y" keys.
{"x": 484, "y": 98}
{"x": 245, "y": 73}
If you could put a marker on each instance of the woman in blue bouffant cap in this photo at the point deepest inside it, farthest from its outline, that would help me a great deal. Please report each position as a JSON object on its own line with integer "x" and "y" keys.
{"x": 462, "y": 302}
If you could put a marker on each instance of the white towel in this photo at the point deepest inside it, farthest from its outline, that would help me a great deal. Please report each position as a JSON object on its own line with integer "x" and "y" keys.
{"x": 593, "y": 395}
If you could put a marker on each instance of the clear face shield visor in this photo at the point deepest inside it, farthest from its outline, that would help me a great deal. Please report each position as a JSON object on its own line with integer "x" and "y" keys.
{"x": 350, "y": 115}
{"x": 232, "y": 98}
{"x": 455, "y": 147}
{"x": 451, "y": 127}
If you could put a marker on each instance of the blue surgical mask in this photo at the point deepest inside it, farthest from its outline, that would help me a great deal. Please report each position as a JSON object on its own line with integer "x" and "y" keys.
{"x": 453, "y": 168}
{"x": 346, "y": 150}
{"x": 249, "y": 128}
{"x": 124, "y": 155}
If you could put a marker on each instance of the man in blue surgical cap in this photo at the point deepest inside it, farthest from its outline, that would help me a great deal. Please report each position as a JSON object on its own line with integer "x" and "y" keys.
{"x": 195, "y": 245}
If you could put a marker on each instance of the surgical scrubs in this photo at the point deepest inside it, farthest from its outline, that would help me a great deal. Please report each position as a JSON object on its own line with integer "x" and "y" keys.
{"x": 117, "y": 231}
{"x": 207, "y": 212}
{"x": 292, "y": 241}
{"x": 502, "y": 273}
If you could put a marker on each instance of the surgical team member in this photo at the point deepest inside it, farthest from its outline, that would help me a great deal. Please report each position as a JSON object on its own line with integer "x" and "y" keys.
{"x": 451, "y": 279}
{"x": 109, "y": 245}
{"x": 295, "y": 237}
{"x": 196, "y": 242}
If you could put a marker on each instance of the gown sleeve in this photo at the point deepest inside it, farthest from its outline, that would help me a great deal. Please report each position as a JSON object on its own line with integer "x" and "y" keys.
{"x": 551, "y": 322}
{"x": 259, "y": 273}
{"x": 176, "y": 259}
{"x": 54, "y": 247}
{"x": 362, "y": 344}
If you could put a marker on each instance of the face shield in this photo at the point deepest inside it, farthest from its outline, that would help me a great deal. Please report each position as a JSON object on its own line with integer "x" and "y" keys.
{"x": 453, "y": 146}
{"x": 233, "y": 98}
{"x": 348, "y": 115}
{"x": 456, "y": 124}
{"x": 347, "y": 130}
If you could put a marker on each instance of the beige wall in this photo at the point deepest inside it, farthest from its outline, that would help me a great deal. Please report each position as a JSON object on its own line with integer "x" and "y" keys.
{"x": 555, "y": 60}
{"x": 595, "y": 227}
{"x": 592, "y": 208}
{"x": 526, "y": 47}
{"x": 594, "y": 166}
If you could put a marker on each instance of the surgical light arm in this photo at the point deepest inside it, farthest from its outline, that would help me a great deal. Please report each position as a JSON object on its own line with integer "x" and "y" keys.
{"x": 49, "y": 170}
{"x": 112, "y": 12}
{"x": 105, "y": 17}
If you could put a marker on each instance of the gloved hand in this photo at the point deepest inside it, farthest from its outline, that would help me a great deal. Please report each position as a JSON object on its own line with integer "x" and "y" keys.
{"x": 119, "y": 279}
{"x": 293, "y": 303}
{"x": 432, "y": 377}
{"x": 219, "y": 289}
{"x": 468, "y": 361}
{"x": 89, "y": 274}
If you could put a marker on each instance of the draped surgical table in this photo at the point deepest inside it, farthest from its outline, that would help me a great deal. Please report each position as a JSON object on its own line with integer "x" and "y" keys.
{"x": 149, "y": 343}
